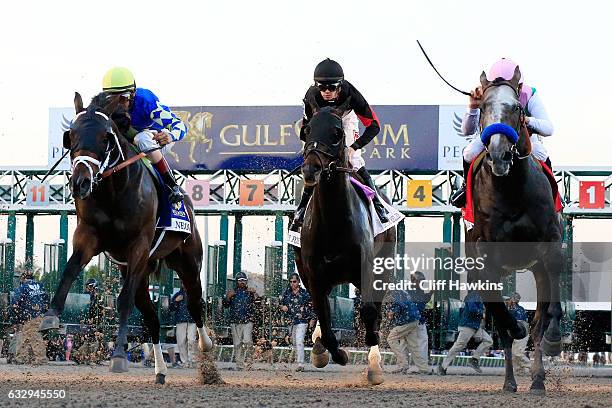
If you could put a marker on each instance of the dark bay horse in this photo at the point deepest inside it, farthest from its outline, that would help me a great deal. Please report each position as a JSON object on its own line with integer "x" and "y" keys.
{"x": 117, "y": 215}
{"x": 515, "y": 225}
{"x": 337, "y": 240}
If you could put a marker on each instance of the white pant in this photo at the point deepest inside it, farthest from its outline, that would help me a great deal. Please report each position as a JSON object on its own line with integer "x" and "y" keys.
{"x": 144, "y": 141}
{"x": 465, "y": 334}
{"x": 242, "y": 336}
{"x": 185, "y": 340}
{"x": 423, "y": 341}
{"x": 350, "y": 124}
{"x": 298, "y": 331}
{"x": 404, "y": 339}
{"x": 475, "y": 147}
{"x": 519, "y": 359}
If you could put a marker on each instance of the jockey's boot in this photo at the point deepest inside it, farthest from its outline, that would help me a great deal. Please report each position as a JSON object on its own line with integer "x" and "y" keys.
{"x": 298, "y": 217}
{"x": 380, "y": 209}
{"x": 548, "y": 163}
{"x": 176, "y": 195}
{"x": 458, "y": 198}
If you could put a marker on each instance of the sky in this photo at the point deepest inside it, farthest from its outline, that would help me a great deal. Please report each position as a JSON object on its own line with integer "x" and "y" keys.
{"x": 264, "y": 52}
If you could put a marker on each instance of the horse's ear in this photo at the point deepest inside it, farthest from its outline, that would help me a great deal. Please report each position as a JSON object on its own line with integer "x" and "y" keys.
{"x": 344, "y": 107}
{"x": 312, "y": 102}
{"x": 78, "y": 103}
{"x": 66, "y": 139}
{"x": 516, "y": 77}
{"x": 483, "y": 80}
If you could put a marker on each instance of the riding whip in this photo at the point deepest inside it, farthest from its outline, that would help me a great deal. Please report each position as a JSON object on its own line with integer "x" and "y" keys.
{"x": 55, "y": 165}
{"x": 441, "y": 77}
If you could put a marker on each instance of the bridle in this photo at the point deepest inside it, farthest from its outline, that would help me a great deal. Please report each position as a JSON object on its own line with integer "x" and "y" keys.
{"x": 511, "y": 132}
{"x": 331, "y": 151}
{"x": 109, "y": 164}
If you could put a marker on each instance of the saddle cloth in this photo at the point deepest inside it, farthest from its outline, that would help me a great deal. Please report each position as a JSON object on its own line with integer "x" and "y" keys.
{"x": 170, "y": 217}
{"x": 393, "y": 214}
{"x": 468, "y": 210}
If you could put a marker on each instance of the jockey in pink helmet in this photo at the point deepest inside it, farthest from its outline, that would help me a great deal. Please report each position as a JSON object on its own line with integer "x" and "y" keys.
{"x": 536, "y": 120}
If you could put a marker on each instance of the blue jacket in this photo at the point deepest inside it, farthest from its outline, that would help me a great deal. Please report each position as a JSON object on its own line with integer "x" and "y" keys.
{"x": 29, "y": 301}
{"x": 241, "y": 306}
{"x": 472, "y": 312}
{"x": 147, "y": 112}
{"x": 181, "y": 313}
{"x": 518, "y": 312}
{"x": 405, "y": 309}
{"x": 421, "y": 299}
{"x": 300, "y": 306}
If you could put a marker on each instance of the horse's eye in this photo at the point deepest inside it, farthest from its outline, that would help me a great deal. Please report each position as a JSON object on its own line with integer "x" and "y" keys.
{"x": 307, "y": 130}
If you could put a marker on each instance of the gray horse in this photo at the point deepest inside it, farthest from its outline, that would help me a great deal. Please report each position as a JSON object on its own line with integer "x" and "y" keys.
{"x": 515, "y": 225}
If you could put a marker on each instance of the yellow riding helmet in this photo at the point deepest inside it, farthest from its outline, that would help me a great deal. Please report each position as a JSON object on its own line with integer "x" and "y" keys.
{"x": 118, "y": 79}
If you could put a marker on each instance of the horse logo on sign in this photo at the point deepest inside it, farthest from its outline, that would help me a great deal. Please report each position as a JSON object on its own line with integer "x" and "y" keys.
{"x": 196, "y": 133}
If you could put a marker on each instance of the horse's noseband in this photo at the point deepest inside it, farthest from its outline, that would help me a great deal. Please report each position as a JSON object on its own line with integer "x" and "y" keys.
{"x": 333, "y": 152}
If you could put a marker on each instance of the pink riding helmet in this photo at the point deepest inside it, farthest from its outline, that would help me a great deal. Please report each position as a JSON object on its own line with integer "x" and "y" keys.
{"x": 504, "y": 68}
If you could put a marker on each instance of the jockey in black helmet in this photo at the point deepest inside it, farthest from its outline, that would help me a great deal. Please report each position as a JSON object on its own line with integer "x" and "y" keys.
{"x": 331, "y": 89}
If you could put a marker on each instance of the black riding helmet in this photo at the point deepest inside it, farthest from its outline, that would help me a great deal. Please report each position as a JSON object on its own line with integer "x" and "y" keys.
{"x": 328, "y": 72}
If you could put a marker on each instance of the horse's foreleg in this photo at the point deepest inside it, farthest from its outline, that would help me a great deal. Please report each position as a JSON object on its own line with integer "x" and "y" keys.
{"x": 135, "y": 277}
{"x": 506, "y": 342}
{"x": 327, "y": 340}
{"x": 149, "y": 315}
{"x": 85, "y": 247}
{"x": 537, "y": 330}
{"x": 550, "y": 285}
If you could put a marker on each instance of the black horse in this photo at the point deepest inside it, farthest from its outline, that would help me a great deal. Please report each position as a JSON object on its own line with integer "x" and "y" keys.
{"x": 337, "y": 240}
{"x": 515, "y": 225}
{"x": 116, "y": 213}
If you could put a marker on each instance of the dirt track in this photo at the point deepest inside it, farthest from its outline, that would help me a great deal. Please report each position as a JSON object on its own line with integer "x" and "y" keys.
{"x": 335, "y": 386}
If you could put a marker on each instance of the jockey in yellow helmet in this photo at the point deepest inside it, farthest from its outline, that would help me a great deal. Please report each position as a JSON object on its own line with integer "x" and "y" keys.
{"x": 154, "y": 123}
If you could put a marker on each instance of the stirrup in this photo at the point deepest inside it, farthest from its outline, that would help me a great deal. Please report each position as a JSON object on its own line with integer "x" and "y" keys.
{"x": 298, "y": 219}
{"x": 381, "y": 212}
{"x": 459, "y": 197}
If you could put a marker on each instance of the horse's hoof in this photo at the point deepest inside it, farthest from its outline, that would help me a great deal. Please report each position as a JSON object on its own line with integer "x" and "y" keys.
{"x": 375, "y": 377}
{"x": 49, "y": 323}
{"x": 118, "y": 364}
{"x": 160, "y": 379}
{"x": 537, "y": 390}
{"x": 341, "y": 357}
{"x": 372, "y": 339}
{"x": 521, "y": 333}
{"x": 510, "y": 387}
{"x": 319, "y": 355}
{"x": 551, "y": 348}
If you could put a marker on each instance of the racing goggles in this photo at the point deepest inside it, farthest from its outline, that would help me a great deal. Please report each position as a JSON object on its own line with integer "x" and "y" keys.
{"x": 328, "y": 86}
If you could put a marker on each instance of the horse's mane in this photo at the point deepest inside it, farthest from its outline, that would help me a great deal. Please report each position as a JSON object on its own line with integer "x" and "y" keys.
{"x": 100, "y": 100}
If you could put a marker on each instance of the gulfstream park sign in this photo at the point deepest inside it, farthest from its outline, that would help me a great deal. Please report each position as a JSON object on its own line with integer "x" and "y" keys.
{"x": 414, "y": 138}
